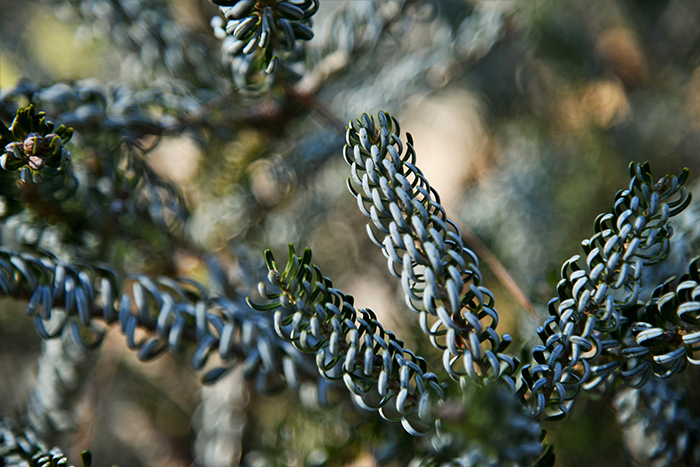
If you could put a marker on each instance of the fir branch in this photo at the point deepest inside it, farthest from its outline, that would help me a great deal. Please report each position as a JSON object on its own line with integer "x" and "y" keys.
{"x": 258, "y": 37}
{"x": 72, "y": 299}
{"x": 383, "y": 375}
{"x": 664, "y": 337}
{"x": 579, "y": 340}
{"x": 424, "y": 248}
{"x": 317, "y": 318}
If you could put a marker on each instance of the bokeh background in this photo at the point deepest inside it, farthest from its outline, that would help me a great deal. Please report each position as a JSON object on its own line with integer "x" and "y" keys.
{"x": 526, "y": 115}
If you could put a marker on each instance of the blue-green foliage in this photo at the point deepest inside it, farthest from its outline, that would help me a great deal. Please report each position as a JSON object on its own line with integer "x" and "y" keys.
{"x": 80, "y": 218}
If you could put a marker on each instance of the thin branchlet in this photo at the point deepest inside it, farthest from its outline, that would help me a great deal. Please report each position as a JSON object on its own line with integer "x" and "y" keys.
{"x": 424, "y": 248}
{"x": 583, "y": 342}
{"x": 349, "y": 344}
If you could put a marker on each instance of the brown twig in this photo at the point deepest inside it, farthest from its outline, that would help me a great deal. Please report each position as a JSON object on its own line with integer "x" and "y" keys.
{"x": 498, "y": 269}
{"x": 324, "y": 114}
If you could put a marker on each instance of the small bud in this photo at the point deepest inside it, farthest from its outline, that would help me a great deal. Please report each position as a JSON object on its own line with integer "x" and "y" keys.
{"x": 34, "y": 144}
{"x": 36, "y": 162}
{"x": 48, "y": 139}
{"x": 15, "y": 150}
